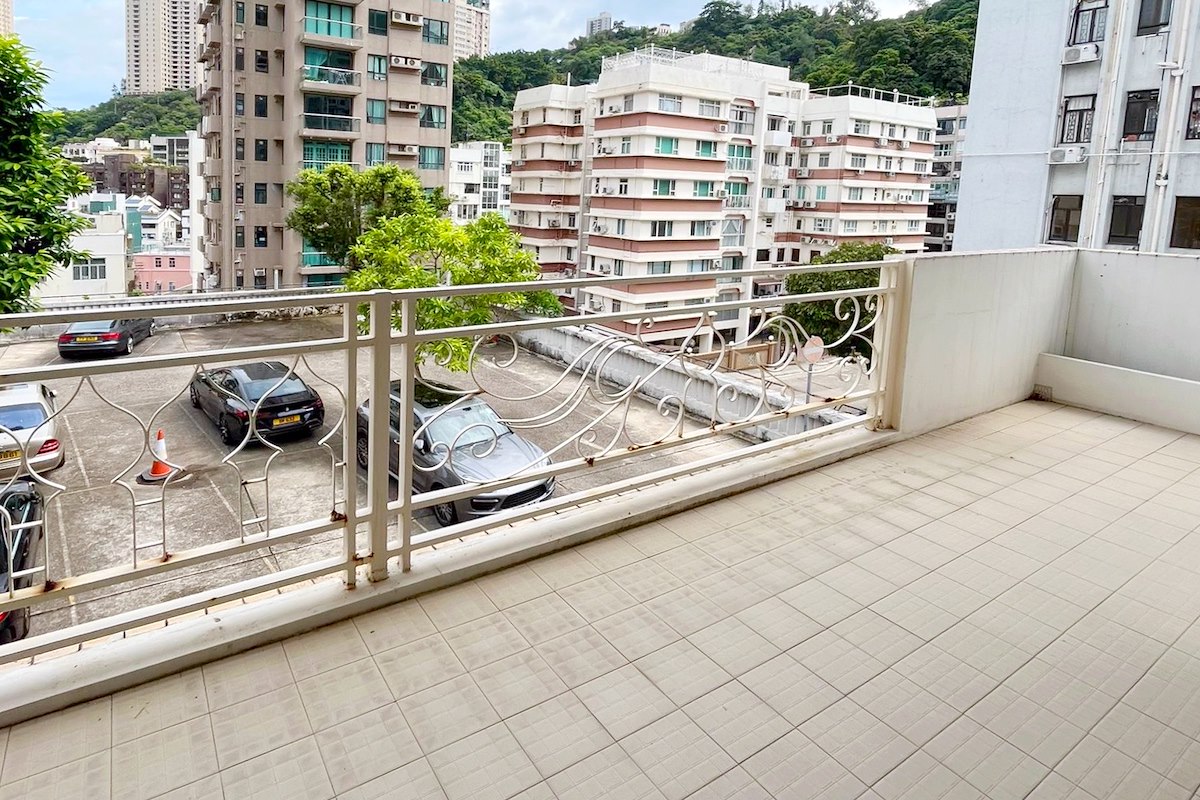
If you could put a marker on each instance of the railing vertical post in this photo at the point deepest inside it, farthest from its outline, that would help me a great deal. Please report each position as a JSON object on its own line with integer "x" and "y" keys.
{"x": 893, "y": 314}
{"x": 408, "y": 371}
{"x": 349, "y": 442}
{"x": 379, "y": 438}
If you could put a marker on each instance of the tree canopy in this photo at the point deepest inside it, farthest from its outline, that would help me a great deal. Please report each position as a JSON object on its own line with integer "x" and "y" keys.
{"x": 35, "y": 181}
{"x": 131, "y": 117}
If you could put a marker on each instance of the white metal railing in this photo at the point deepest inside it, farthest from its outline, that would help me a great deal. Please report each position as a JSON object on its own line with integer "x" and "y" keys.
{"x": 333, "y": 76}
{"x": 377, "y": 354}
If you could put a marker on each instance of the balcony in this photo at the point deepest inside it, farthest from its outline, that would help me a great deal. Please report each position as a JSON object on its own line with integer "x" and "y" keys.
{"x": 330, "y": 80}
{"x": 773, "y": 205}
{"x": 320, "y": 164}
{"x": 329, "y": 126}
{"x": 777, "y": 140}
{"x": 738, "y": 201}
{"x": 327, "y": 32}
{"x": 740, "y": 164}
{"x": 912, "y": 581}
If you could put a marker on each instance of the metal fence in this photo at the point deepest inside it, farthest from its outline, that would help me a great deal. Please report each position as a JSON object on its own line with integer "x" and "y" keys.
{"x": 361, "y": 526}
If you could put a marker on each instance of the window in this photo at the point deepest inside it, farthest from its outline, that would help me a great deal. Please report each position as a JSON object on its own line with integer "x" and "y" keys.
{"x": 862, "y": 127}
{"x": 433, "y": 116}
{"x": 823, "y": 225}
{"x": 260, "y": 194}
{"x": 431, "y": 158}
{"x": 1185, "y": 233}
{"x": 850, "y": 226}
{"x": 822, "y": 193}
{"x": 924, "y": 135}
{"x": 823, "y": 159}
{"x": 740, "y": 157}
{"x": 1090, "y": 17}
{"x": 1126, "y": 224}
{"x": 93, "y": 269}
{"x": 858, "y": 162}
{"x": 260, "y": 235}
{"x": 1155, "y": 15}
{"x": 260, "y": 105}
{"x": 435, "y": 31}
{"x": 1141, "y": 115}
{"x": 623, "y": 186}
{"x": 827, "y": 126}
{"x": 239, "y": 58}
{"x": 658, "y": 268}
{"x": 699, "y": 265}
{"x": 376, "y": 111}
{"x": 262, "y": 62}
{"x": 671, "y": 103}
{"x": 710, "y": 108}
{"x": 377, "y": 22}
{"x": 239, "y": 236}
{"x": 856, "y": 193}
{"x": 1193, "y": 126}
{"x": 921, "y": 166}
{"x": 260, "y": 15}
{"x": 239, "y": 149}
{"x": 664, "y": 188}
{"x": 377, "y": 67}
{"x": 1077, "y": 119}
{"x": 704, "y": 189}
{"x": 1065, "y": 214}
{"x": 239, "y": 12}
{"x": 329, "y": 19}
{"x": 733, "y": 232}
{"x": 626, "y": 145}
{"x": 706, "y": 149}
{"x": 434, "y": 74}
{"x": 260, "y": 149}
{"x": 661, "y": 228}
{"x": 627, "y": 103}
{"x": 666, "y": 146}
{"x": 621, "y": 227}
{"x": 657, "y": 304}
{"x": 239, "y": 193}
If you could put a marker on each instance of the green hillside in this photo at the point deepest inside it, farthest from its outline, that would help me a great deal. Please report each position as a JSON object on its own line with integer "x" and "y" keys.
{"x": 132, "y": 117}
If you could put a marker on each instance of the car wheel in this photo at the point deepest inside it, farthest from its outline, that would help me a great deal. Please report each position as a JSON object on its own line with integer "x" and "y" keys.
{"x": 17, "y": 628}
{"x": 445, "y": 514}
{"x": 362, "y": 451}
{"x": 129, "y": 346}
{"x": 229, "y": 434}
{"x": 195, "y": 398}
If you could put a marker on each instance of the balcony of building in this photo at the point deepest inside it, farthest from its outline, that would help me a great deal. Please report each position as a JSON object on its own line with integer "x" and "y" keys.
{"x": 329, "y": 126}
{"x": 951, "y": 555}
{"x": 330, "y": 80}
{"x": 321, "y": 31}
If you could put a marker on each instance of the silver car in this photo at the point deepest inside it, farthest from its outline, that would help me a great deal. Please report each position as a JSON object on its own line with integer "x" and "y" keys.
{"x": 24, "y": 407}
{"x": 474, "y": 429}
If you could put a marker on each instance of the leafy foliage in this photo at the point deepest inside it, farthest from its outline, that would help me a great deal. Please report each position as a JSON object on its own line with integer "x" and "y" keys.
{"x": 131, "y": 117}
{"x": 337, "y": 205}
{"x": 35, "y": 180}
{"x": 926, "y": 52}
{"x": 822, "y": 318}
{"x": 423, "y": 249}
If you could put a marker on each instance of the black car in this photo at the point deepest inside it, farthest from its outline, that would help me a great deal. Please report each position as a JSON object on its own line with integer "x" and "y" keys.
{"x": 111, "y": 337}
{"x": 22, "y": 504}
{"x": 228, "y": 395}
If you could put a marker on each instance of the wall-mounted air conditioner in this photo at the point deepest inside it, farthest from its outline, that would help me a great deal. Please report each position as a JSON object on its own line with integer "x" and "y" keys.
{"x": 1081, "y": 54}
{"x": 831, "y": 139}
{"x": 406, "y": 18}
{"x": 722, "y": 193}
{"x": 404, "y": 62}
{"x": 572, "y": 163}
{"x": 951, "y": 216}
{"x": 809, "y": 204}
{"x": 905, "y": 144}
{"x": 722, "y": 128}
{"x": 806, "y": 142}
{"x": 802, "y": 172}
{"x": 554, "y": 223}
{"x": 260, "y": 272}
{"x": 1064, "y": 155}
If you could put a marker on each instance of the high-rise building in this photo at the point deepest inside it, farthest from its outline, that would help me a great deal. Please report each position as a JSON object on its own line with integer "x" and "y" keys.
{"x": 480, "y": 180}
{"x": 677, "y": 163}
{"x": 947, "y": 173}
{"x": 473, "y": 28}
{"x": 160, "y": 45}
{"x": 1090, "y": 133}
{"x": 303, "y": 84}
{"x": 6, "y": 17}
{"x": 600, "y": 23}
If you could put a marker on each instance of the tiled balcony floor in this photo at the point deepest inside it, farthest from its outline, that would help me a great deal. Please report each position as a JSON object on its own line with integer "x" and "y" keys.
{"x": 1004, "y": 609}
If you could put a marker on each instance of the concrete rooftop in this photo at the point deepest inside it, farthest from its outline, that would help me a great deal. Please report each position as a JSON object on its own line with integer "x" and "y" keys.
{"x": 1006, "y": 608}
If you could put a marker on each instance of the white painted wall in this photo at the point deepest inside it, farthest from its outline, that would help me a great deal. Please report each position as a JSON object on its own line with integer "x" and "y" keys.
{"x": 975, "y": 327}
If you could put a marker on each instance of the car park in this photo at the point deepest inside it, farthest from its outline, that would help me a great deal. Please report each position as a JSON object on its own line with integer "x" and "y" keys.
{"x": 104, "y": 337}
{"x": 459, "y": 442}
{"x": 29, "y": 440}
{"x": 229, "y": 395}
{"x": 21, "y": 532}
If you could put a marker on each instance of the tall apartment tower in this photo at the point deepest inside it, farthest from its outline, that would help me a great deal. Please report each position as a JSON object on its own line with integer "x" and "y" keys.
{"x": 685, "y": 164}
{"x": 947, "y": 175}
{"x": 600, "y": 23}
{"x": 160, "y": 45}
{"x": 6, "y": 17}
{"x": 480, "y": 180}
{"x": 1090, "y": 134}
{"x": 303, "y": 84}
{"x": 473, "y": 28}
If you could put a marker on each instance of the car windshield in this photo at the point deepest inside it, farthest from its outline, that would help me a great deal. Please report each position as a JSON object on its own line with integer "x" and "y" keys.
{"x": 99, "y": 326}
{"x": 256, "y": 389}
{"x": 475, "y": 423}
{"x": 22, "y": 417}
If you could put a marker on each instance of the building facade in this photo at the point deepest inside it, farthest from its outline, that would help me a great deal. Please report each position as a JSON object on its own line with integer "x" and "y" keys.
{"x": 126, "y": 174}
{"x": 174, "y": 151}
{"x": 160, "y": 45}
{"x": 480, "y": 180}
{"x": 105, "y": 271}
{"x": 688, "y": 164}
{"x": 1097, "y": 122}
{"x": 472, "y": 28}
{"x": 947, "y": 174}
{"x": 6, "y": 18}
{"x": 600, "y": 23}
{"x": 159, "y": 270}
{"x": 304, "y": 84}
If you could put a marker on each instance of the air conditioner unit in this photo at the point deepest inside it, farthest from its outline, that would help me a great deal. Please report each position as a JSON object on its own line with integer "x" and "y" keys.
{"x": 404, "y": 62}
{"x": 260, "y": 272}
{"x": 1081, "y": 54}
{"x": 568, "y": 272}
{"x": 521, "y": 131}
{"x": 955, "y": 174}
{"x": 722, "y": 128}
{"x": 554, "y": 223}
{"x": 606, "y": 190}
{"x": 905, "y": 144}
{"x": 949, "y": 237}
{"x": 595, "y": 304}
{"x": 555, "y": 203}
{"x": 572, "y": 163}
{"x": 831, "y": 139}
{"x": 722, "y": 193}
{"x": 806, "y": 142}
{"x": 809, "y": 204}
{"x": 239, "y": 35}
{"x": 605, "y": 269}
{"x": 883, "y": 141}
{"x": 861, "y": 172}
{"x": 1066, "y": 155}
{"x": 802, "y": 172}
{"x": 608, "y": 151}
{"x": 614, "y": 109}
{"x": 601, "y": 229}
{"x": 891, "y": 173}
{"x": 951, "y": 215}
{"x": 518, "y": 163}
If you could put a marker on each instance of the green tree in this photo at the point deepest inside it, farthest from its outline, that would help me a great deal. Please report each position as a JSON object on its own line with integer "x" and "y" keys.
{"x": 336, "y": 205}
{"x": 126, "y": 117}
{"x": 823, "y": 318}
{"x": 35, "y": 181}
{"x": 423, "y": 249}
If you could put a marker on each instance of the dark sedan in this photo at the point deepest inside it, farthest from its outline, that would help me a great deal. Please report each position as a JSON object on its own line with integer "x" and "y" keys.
{"x": 112, "y": 337}
{"x": 228, "y": 396}
{"x": 21, "y": 523}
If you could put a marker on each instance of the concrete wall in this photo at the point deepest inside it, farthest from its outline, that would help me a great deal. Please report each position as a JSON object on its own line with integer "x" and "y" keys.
{"x": 1138, "y": 311}
{"x": 975, "y": 327}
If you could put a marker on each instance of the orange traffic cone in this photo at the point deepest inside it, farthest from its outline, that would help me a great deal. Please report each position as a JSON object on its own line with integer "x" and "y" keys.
{"x": 159, "y": 471}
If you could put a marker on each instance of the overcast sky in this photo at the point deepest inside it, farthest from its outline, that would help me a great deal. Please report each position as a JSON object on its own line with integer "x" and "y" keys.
{"x": 82, "y": 41}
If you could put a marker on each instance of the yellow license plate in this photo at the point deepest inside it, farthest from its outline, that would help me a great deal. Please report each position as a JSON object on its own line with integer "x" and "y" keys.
{"x": 286, "y": 420}
{"x": 87, "y": 339}
{"x": 9, "y": 455}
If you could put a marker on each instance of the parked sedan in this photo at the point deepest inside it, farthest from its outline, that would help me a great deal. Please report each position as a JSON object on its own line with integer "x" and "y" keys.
{"x": 21, "y": 514}
{"x": 24, "y": 407}
{"x": 228, "y": 396}
{"x": 485, "y": 449}
{"x": 110, "y": 337}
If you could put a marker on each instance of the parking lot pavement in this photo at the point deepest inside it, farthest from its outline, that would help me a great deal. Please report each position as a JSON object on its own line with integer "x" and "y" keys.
{"x": 90, "y": 525}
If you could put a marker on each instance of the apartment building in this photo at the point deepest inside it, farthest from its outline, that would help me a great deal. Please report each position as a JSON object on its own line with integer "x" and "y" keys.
{"x": 472, "y": 28}
{"x": 674, "y": 163}
{"x": 600, "y": 23}
{"x": 480, "y": 180}
{"x": 6, "y": 18}
{"x": 947, "y": 173}
{"x": 1097, "y": 121}
{"x": 174, "y": 151}
{"x": 304, "y": 84}
{"x": 160, "y": 45}
{"x": 105, "y": 270}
